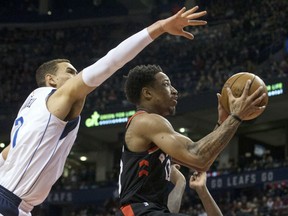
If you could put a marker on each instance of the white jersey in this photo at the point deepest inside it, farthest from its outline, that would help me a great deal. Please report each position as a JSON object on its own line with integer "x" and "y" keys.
{"x": 40, "y": 144}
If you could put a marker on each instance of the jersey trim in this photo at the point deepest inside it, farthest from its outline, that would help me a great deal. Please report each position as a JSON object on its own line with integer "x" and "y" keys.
{"x": 127, "y": 210}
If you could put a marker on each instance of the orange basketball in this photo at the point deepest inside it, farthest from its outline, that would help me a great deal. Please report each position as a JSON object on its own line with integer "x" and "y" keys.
{"x": 237, "y": 84}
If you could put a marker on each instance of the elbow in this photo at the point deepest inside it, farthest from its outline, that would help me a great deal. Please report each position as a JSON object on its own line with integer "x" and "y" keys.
{"x": 203, "y": 165}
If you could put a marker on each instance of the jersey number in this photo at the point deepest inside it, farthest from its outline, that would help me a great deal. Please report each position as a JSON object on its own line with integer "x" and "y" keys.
{"x": 18, "y": 124}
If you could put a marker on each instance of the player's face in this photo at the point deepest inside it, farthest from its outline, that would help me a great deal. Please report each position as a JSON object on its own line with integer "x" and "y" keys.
{"x": 65, "y": 71}
{"x": 164, "y": 95}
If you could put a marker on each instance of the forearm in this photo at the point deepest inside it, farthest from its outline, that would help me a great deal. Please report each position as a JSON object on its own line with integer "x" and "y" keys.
{"x": 175, "y": 197}
{"x": 156, "y": 29}
{"x": 116, "y": 58}
{"x": 208, "y": 148}
{"x": 208, "y": 202}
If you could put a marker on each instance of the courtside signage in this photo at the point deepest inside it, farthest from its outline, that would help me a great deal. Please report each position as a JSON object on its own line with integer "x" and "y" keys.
{"x": 275, "y": 89}
{"x": 98, "y": 119}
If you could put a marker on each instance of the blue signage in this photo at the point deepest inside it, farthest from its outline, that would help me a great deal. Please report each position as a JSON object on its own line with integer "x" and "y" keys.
{"x": 247, "y": 179}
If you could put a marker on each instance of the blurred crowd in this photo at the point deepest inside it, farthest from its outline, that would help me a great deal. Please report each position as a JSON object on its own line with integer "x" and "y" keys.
{"x": 242, "y": 38}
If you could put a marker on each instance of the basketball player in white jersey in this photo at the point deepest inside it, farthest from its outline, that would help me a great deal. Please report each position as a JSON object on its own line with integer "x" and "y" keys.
{"x": 47, "y": 123}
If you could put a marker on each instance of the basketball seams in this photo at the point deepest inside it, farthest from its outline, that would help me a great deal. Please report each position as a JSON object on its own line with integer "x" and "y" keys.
{"x": 236, "y": 80}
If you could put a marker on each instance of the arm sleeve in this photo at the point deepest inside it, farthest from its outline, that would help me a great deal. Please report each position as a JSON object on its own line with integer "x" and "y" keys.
{"x": 116, "y": 58}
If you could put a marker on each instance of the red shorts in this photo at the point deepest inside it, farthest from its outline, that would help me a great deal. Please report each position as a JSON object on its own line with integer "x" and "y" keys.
{"x": 147, "y": 209}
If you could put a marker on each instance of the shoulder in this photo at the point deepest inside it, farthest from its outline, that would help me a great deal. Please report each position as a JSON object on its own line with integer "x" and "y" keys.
{"x": 43, "y": 91}
{"x": 150, "y": 121}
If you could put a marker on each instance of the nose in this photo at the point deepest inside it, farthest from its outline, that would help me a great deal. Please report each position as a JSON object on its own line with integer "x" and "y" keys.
{"x": 174, "y": 90}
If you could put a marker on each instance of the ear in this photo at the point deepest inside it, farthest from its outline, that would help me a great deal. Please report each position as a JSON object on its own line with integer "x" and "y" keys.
{"x": 147, "y": 94}
{"x": 49, "y": 80}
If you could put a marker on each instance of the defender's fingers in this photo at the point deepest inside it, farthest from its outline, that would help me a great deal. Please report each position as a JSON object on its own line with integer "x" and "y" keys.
{"x": 181, "y": 12}
{"x": 197, "y": 15}
{"x": 187, "y": 35}
{"x": 192, "y": 10}
{"x": 197, "y": 22}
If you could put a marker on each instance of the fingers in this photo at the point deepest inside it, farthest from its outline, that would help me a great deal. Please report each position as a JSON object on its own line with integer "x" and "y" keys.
{"x": 192, "y": 10}
{"x": 197, "y": 22}
{"x": 187, "y": 35}
{"x": 257, "y": 100}
{"x": 177, "y": 166}
{"x": 194, "y": 176}
{"x": 191, "y": 16}
{"x": 181, "y": 12}
{"x": 219, "y": 96}
{"x": 197, "y": 15}
{"x": 246, "y": 88}
{"x": 229, "y": 93}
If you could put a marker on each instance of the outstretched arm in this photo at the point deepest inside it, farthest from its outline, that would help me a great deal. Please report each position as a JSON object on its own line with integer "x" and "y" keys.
{"x": 73, "y": 92}
{"x": 175, "y": 196}
{"x": 198, "y": 183}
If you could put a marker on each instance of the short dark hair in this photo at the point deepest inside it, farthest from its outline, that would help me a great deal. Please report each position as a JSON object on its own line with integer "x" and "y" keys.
{"x": 49, "y": 67}
{"x": 137, "y": 78}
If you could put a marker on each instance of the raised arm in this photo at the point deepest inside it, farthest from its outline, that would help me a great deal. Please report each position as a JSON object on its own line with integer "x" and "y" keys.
{"x": 176, "y": 194}
{"x": 198, "y": 183}
{"x": 71, "y": 95}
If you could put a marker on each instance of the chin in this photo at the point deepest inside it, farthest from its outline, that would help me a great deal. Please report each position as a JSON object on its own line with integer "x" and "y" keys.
{"x": 172, "y": 111}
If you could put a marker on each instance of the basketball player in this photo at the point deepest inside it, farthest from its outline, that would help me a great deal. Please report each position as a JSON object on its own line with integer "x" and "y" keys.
{"x": 48, "y": 121}
{"x": 198, "y": 183}
{"x": 150, "y": 142}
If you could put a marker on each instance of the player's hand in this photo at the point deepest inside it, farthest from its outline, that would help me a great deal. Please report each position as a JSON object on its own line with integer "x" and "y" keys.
{"x": 198, "y": 180}
{"x": 246, "y": 104}
{"x": 176, "y": 175}
{"x": 174, "y": 25}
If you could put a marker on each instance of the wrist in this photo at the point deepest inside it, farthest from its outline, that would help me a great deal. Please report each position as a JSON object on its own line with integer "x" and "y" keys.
{"x": 201, "y": 190}
{"x": 236, "y": 117}
{"x": 156, "y": 29}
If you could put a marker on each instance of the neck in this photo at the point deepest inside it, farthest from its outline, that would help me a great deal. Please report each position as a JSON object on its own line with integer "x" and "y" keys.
{"x": 141, "y": 109}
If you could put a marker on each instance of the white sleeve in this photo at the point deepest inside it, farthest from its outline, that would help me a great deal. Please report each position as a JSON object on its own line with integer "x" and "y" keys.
{"x": 116, "y": 58}
{"x": 1, "y": 160}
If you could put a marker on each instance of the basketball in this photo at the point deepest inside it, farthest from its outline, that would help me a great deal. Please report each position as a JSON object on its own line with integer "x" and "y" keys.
{"x": 237, "y": 84}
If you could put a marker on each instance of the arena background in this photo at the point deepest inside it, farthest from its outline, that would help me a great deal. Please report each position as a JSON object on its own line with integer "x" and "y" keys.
{"x": 250, "y": 174}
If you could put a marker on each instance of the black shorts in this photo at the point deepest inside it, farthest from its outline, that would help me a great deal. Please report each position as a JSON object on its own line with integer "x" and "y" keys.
{"x": 9, "y": 202}
{"x": 145, "y": 209}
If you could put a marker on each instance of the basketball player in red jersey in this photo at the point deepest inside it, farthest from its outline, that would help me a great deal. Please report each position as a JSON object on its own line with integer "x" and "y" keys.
{"x": 151, "y": 142}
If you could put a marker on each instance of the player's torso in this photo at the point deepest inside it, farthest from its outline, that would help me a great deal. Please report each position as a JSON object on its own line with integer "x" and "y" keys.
{"x": 144, "y": 177}
{"x": 40, "y": 143}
